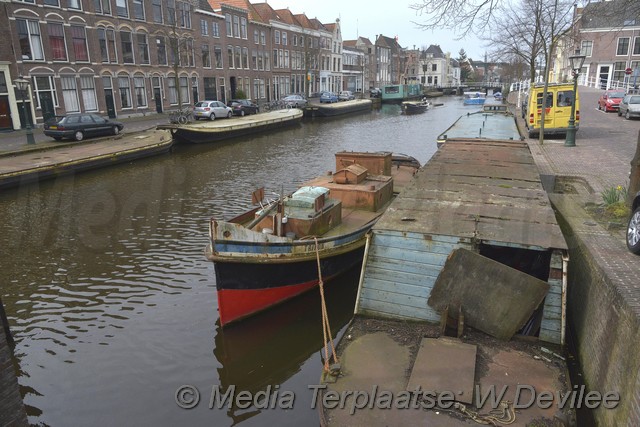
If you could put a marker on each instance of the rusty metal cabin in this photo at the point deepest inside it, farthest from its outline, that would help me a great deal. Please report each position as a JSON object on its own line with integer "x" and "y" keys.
{"x": 482, "y": 195}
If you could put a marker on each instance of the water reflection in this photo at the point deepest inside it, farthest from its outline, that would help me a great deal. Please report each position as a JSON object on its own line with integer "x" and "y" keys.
{"x": 113, "y": 304}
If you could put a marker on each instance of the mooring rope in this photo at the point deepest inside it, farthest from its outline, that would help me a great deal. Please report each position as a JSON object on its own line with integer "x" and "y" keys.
{"x": 503, "y": 415}
{"x": 326, "y": 328}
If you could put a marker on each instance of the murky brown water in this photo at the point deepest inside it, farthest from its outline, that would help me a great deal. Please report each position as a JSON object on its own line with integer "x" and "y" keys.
{"x": 113, "y": 304}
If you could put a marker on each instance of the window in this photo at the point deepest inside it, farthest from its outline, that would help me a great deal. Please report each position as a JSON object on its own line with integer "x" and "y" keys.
{"x": 243, "y": 27}
{"x": 227, "y": 21}
{"x": 74, "y": 4}
{"x": 256, "y": 37}
{"x": 565, "y": 98}
{"x": 206, "y": 57}
{"x": 88, "y": 89}
{"x": 230, "y": 56}
{"x": 156, "y": 6}
{"x": 586, "y": 47}
{"x": 125, "y": 91}
{"x": 127, "y": 47}
{"x": 56, "y": 42}
{"x": 70, "y": 94}
{"x": 236, "y": 26}
{"x": 215, "y": 29}
{"x": 263, "y": 38}
{"x": 171, "y": 12}
{"x": 245, "y": 57}
{"x": 210, "y": 88}
{"x": 286, "y": 59}
{"x": 171, "y": 90}
{"x": 138, "y": 9}
{"x": 190, "y": 60}
{"x": 434, "y": 67}
{"x": 623, "y": 46}
{"x": 79, "y": 39}
{"x": 184, "y": 90}
{"x": 636, "y": 46}
{"x": 217, "y": 52}
{"x": 276, "y": 36}
{"x": 204, "y": 27}
{"x": 45, "y": 84}
{"x": 29, "y": 39}
{"x": 161, "y": 50}
{"x": 238, "y": 57}
{"x": 267, "y": 63}
{"x": 284, "y": 38}
{"x": 143, "y": 48}
{"x": 140, "y": 91}
{"x": 122, "y": 9}
{"x": 275, "y": 58}
{"x": 106, "y": 40}
{"x": 52, "y": 3}
{"x": 254, "y": 59}
{"x": 102, "y": 7}
{"x": 184, "y": 14}
{"x": 618, "y": 70}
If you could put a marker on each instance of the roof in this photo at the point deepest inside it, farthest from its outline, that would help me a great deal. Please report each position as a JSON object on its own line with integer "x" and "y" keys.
{"x": 264, "y": 12}
{"x": 349, "y": 43}
{"x": 388, "y": 42}
{"x": 238, "y": 4}
{"x": 287, "y": 17}
{"x": 610, "y": 14}
{"x": 434, "y": 50}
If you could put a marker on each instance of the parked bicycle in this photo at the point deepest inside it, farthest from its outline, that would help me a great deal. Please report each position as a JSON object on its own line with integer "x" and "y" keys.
{"x": 181, "y": 117}
{"x": 276, "y": 105}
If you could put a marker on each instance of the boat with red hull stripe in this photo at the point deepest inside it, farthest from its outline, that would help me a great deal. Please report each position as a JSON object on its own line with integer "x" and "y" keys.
{"x": 270, "y": 253}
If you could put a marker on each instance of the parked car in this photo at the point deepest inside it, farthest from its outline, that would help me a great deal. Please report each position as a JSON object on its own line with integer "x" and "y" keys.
{"x": 633, "y": 228}
{"x": 211, "y": 110}
{"x": 295, "y": 101}
{"x": 375, "y": 92}
{"x": 346, "y": 95}
{"x": 329, "y": 97}
{"x": 242, "y": 107}
{"x": 80, "y": 126}
{"x": 629, "y": 106}
{"x": 610, "y": 100}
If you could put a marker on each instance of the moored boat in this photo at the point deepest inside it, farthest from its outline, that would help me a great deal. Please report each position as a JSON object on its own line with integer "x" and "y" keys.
{"x": 271, "y": 253}
{"x": 415, "y": 107}
{"x": 474, "y": 98}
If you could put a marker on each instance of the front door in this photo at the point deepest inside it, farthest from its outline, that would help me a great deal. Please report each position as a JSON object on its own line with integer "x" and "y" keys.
{"x": 111, "y": 107}
{"x": 46, "y": 104}
{"x": 603, "y": 76}
{"x": 5, "y": 113}
{"x": 158, "y": 97}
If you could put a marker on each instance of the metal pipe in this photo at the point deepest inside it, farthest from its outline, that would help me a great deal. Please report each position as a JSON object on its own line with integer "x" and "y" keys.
{"x": 563, "y": 326}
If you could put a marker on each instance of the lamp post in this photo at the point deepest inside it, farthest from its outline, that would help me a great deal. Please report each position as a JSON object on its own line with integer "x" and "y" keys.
{"x": 575, "y": 62}
{"x": 23, "y": 86}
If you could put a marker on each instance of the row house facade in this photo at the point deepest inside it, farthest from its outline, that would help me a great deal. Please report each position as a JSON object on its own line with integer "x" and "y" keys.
{"x": 367, "y": 54}
{"x": 125, "y": 58}
{"x": 353, "y": 69}
{"x": 610, "y": 42}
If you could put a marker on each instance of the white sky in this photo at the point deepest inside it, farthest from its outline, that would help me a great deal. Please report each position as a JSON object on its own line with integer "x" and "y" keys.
{"x": 367, "y": 18}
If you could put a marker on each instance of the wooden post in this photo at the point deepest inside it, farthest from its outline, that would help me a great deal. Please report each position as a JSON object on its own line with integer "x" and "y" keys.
{"x": 634, "y": 176}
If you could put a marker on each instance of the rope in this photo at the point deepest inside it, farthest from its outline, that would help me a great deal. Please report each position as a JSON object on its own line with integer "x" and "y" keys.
{"x": 503, "y": 415}
{"x": 326, "y": 328}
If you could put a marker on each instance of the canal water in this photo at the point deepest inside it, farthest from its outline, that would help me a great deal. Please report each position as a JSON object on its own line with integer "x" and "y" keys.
{"x": 113, "y": 304}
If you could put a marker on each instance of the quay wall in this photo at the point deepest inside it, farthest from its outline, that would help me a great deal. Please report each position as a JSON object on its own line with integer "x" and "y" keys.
{"x": 604, "y": 314}
{"x": 12, "y": 412}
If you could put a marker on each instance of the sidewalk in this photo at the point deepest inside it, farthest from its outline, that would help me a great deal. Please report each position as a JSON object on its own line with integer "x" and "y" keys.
{"x": 12, "y": 141}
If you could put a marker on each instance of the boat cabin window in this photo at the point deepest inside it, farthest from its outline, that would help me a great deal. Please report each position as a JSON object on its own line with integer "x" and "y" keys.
{"x": 392, "y": 89}
{"x": 565, "y": 98}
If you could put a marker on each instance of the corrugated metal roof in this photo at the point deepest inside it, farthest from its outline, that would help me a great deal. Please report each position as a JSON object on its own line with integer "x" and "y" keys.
{"x": 487, "y": 190}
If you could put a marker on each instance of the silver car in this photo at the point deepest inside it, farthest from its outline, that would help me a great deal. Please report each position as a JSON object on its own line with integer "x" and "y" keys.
{"x": 629, "y": 106}
{"x": 211, "y": 110}
{"x": 295, "y": 101}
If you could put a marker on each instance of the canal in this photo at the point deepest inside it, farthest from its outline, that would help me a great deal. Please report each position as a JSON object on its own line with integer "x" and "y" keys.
{"x": 113, "y": 304}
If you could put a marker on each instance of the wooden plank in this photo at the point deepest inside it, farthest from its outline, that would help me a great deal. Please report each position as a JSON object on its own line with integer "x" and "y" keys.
{"x": 496, "y": 299}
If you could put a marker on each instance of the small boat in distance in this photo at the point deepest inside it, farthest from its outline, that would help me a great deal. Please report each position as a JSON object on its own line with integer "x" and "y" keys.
{"x": 474, "y": 98}
{"x": 270, "y": 253}
{"x": 415, "y": 107}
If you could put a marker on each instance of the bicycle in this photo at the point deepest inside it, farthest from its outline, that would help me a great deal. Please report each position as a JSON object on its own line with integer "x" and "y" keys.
{"x": 181, "y": 117}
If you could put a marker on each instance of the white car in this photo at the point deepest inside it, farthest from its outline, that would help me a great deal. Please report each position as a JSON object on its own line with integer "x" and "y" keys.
{"x": 629, "y": 106}
{"x": 346, "y": 95}
{"x": 211, "y": 110}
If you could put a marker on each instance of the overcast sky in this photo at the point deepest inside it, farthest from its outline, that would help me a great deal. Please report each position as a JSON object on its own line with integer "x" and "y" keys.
{"x": 365, "y": 18}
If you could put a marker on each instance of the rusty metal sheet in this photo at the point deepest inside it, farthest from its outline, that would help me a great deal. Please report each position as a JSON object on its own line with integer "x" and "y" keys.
{"x": 495, "y": 298}
{"x": 445, "y": 364}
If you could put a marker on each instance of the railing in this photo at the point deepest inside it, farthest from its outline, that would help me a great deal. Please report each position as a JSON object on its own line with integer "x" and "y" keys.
{"x": 603, "y": 84}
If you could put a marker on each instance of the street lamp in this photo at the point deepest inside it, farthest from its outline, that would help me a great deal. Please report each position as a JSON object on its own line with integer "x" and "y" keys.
{"x": 575, "y": 62}
{"x": 23, "y": 86}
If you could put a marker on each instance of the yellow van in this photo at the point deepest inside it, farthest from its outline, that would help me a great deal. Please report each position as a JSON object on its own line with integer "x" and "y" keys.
{"x": 560, "y": 96}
